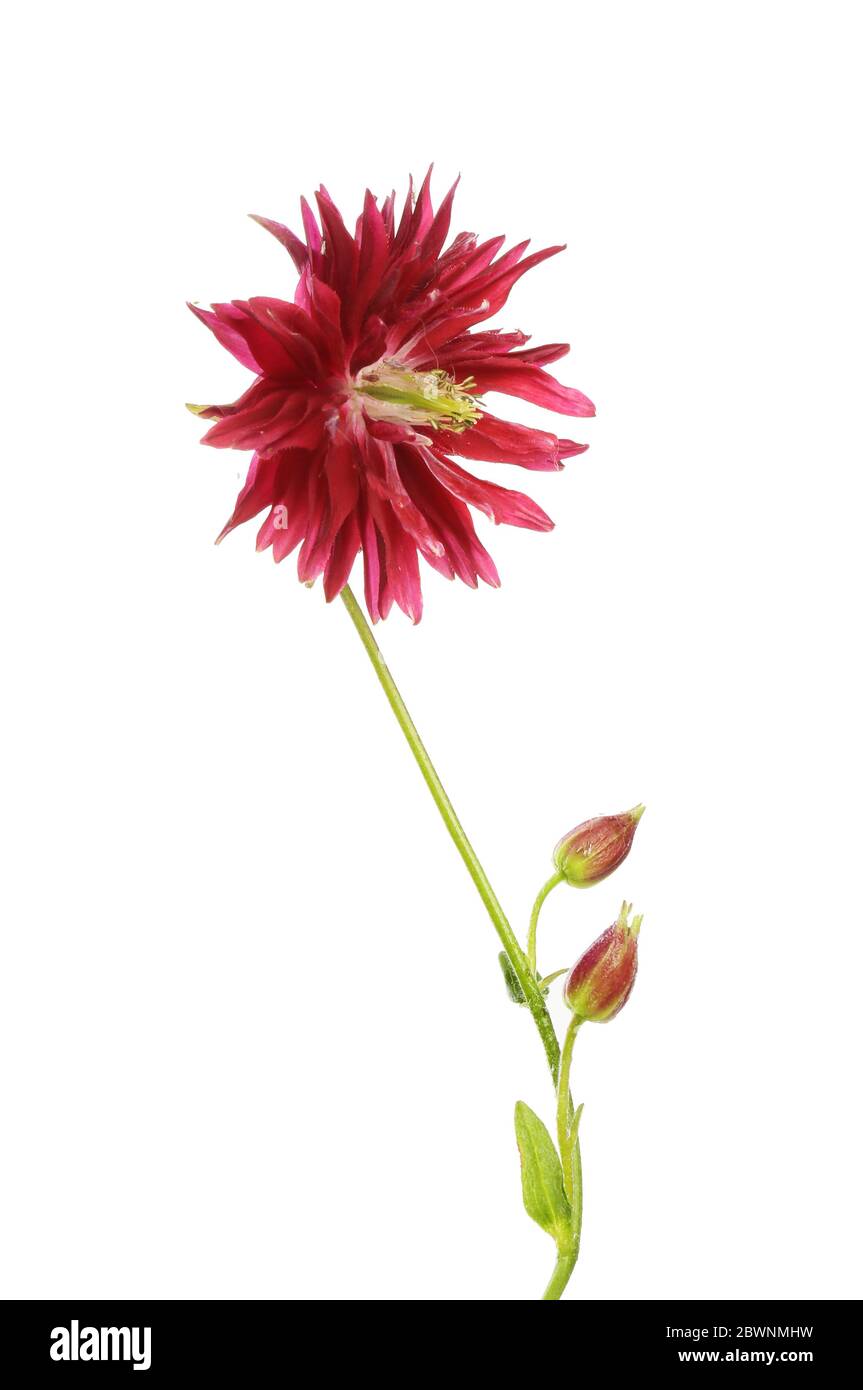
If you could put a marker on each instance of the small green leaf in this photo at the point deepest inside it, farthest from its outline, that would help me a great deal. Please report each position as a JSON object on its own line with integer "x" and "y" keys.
{"x": 513, "y": 988}
{"x": 511, "y": 980}
{"x": 541, "y": 1174}
{"x": 550, "y": 979}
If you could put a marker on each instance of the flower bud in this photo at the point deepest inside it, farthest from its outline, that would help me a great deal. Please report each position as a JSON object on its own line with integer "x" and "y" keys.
{"x": 600, "y": 982}
{"x": 594, "y": 849}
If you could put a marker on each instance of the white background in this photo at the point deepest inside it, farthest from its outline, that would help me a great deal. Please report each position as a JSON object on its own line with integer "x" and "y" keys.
{"x": 254, "y": 1041}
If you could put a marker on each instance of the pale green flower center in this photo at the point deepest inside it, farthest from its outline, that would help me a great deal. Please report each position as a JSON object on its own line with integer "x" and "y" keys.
{"x": 393, "y": 392}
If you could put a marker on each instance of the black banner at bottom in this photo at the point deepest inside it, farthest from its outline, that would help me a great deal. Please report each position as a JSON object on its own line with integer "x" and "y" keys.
{"x": 243, "y": 1341}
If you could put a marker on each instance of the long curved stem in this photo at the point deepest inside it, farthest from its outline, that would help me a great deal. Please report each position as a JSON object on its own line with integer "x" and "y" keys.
{"x": 526, "y": 977}
{"x": 534, "y": 918}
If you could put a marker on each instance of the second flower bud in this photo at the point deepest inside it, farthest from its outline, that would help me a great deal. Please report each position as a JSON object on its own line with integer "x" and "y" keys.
{"x": 600, "y": 982}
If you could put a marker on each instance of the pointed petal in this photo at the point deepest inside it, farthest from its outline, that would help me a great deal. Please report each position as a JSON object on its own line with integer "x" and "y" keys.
{"x": 531, "y": 384}
{"x": 500, "y": 504}
{"x": 292, "y": 244}
{"x": 501, "y": 441}
{"x": 342, "y": 556}
{"x": 541, "y": 356}
{"x": 257, "y": 493}
{"x": 230, "y": 338}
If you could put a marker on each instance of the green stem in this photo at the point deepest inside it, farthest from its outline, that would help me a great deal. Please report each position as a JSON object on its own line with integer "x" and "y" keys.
{"x": 560, "y": 1278}
{"x": 570, "y": 1158}
{"x": 524, "y": 975}
{"x": 566, "y": 1134}
{"x": 534, "y": 918}
{"x": 577, "y": 1186}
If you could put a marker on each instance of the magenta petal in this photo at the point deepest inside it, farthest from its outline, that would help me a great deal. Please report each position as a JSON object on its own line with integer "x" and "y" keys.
{"x": 263, "y": 337}
{"x": 230, "y": 338}
{"x": 256, "y": 494}
{"x": 541, "y": 356}
{"x": 468, "y": 559}
{"x": 341, "y": 467}
{"x": 501, "y": 441}
{"x": 531, "y": 384}
{"x": 251, "y": 427}
{"x": 500, "y": 504}
{"x": 342, "y": 557}
{"x": 292, "y": 244}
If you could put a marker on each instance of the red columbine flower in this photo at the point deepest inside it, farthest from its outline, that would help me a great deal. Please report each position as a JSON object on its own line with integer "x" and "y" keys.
{"x": 367, "y": 385}
{"x": 600, "y": 982}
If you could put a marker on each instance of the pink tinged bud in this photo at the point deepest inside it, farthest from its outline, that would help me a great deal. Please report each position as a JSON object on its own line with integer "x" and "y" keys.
{"x": 593, "y": 850}
{"x": 600, "y": 982}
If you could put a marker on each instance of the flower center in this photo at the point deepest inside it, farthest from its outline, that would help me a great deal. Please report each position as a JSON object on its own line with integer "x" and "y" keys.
{"x": 391, "y": 391}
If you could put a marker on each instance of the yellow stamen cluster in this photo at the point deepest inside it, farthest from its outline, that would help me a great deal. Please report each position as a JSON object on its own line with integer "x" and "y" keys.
{"x": 434, "y": 399}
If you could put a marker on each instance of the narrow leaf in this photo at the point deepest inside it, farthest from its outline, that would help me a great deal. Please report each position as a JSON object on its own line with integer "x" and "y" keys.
{"x": 511, "y": 980}
{"x": 513, "y": 988}
{"x": 541, "y": 1174}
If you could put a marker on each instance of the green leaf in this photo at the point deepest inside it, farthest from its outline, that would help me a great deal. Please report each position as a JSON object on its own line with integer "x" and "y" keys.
{"x": 541, "y": 1174}
{"x": 513, "y": 985}
{"x": 513, "y": 988}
